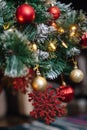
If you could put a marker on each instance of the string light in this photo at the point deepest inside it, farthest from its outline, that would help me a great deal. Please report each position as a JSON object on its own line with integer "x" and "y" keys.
{"x": 73, "y": 30}
{"x": 72, "y": 34}
{"x": 64, "y": 44}
{"x": 61, "y": 30}
{"x": 34, "y": 47}
{"x": 52, "y": 45}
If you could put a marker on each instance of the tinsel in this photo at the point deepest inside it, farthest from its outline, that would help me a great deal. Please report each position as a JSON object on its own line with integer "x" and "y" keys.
{"x": 43, "y": 31}
{"x": 55, "y": 69}
{"x": 73, "y": 51}
{"x": 53, "y": 74}
{"x": 47, "y": 105}
{"x": 42, "y": 54}
{"x": 2, "y": 4}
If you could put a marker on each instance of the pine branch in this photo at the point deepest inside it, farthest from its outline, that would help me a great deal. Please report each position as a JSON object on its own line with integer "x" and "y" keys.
{"x": 17, "y": 52}
{"x": 30, "y": 32}
{"x": 52, "y": 68}
{"x": 16, "y": 55}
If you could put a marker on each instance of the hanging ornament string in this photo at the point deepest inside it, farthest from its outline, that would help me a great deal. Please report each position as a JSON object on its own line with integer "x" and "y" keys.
{"x": 36, "y": 68}
{"x": 62, "y": 80}
{"x": 74, "y": 62}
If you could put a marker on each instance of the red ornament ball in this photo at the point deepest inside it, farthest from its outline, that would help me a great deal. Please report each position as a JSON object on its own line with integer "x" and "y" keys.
{"x": 55, "y": 11}
{"x": 25, "y": 14}
{"x": 68, "y": 93}
{"x": 83, "y": 41}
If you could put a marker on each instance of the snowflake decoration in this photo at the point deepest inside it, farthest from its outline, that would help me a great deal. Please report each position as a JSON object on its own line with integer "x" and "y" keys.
{"x": 47, "y": 105}
{"x": 21, "y": 83}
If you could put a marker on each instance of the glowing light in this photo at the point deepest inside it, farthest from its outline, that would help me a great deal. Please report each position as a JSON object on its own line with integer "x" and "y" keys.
{"x": 52, "y": 46}
{"x": 73, "y": 28}
{"x": 64, "y": 44}
{"x": 61, "y": 30}
{"x": 72, "y": 34}
{"x": 34, "y": 47}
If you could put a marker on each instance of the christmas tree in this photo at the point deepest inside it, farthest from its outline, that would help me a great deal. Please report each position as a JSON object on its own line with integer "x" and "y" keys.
{"x": 43, "y": 37}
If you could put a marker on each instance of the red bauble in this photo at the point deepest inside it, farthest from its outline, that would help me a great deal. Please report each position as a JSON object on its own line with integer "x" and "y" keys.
{"x": 55, "y": 11}
{"x": 25, "y": 14}
{"x": 83, "y": 41}
{"x": 68, "y": 93}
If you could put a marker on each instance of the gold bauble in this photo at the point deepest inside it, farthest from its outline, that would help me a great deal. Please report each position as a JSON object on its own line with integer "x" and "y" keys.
{"x": 39, "y": 83}
{"x": 76, "y": 75}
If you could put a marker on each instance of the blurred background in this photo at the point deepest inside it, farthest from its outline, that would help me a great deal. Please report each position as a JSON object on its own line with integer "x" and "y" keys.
{"x": 77, "y": 4}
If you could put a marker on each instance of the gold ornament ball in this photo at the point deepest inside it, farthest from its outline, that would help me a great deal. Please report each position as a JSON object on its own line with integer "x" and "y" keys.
{"x": 76, "y": 75}
{"x": 39, "y": 83}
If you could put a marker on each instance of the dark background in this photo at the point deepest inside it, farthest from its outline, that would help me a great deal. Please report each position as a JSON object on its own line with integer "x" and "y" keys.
{"x": 77, "y": 4}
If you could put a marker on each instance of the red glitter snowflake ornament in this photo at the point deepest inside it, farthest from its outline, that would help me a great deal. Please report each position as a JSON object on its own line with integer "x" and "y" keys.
{"x": 21, "y": 83}
{"x": 47, "y": 105}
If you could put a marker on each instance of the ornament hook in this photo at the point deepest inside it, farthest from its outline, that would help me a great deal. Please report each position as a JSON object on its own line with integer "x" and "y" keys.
{"x": 36, "y": 68}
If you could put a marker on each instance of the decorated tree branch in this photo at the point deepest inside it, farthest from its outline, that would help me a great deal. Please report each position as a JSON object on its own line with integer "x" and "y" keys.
{"x": 45, "y": 36}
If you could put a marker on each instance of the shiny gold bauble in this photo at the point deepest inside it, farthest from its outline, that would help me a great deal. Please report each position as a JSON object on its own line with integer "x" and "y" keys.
{"x": 76, "y": 75}
{"x": 39, "y": 83}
